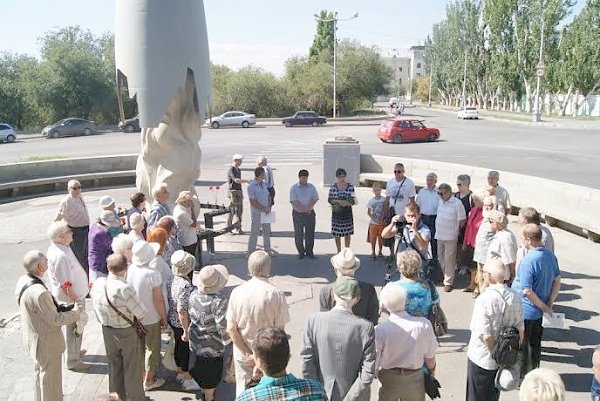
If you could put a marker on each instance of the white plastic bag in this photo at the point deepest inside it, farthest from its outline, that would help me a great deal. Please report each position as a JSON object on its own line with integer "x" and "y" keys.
{"x": 169, "y": 355}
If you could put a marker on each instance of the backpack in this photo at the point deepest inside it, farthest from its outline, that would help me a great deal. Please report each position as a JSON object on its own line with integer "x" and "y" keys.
{"x": 506, "y": 348}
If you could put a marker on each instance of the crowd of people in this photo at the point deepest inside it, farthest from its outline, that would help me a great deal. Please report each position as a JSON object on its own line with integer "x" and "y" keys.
{"x": 138, "y": 268}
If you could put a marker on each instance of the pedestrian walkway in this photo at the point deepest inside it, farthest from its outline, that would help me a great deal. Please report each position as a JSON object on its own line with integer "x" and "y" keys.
{"x": 288, "y": 152}
{"x": 568, "y": 351}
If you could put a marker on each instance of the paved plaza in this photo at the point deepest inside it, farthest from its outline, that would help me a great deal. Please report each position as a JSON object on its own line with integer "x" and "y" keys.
{"x": 568, "y": 350}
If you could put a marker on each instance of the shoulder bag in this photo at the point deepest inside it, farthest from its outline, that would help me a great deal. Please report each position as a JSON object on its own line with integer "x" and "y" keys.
{"x": 137, "y": 325}
{"x": 507, "y": 345}
{"x": 437, "y": 317}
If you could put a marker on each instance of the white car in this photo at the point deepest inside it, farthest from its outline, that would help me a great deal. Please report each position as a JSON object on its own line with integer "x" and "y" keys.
{"x": 468, "y": 112}
{"x": 7, "y": 133}
{"x": 232, "y": 118}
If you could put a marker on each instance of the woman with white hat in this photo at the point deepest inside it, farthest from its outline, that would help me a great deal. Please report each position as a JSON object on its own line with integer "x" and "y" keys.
{"x": 137, "y": 222}
{"x": 179, "y": 288}
{"x": 107, "y": 202}
{"x": 207, "y": 331}
{"x": 99, "y": 244}
{"x": 185, "y": 218}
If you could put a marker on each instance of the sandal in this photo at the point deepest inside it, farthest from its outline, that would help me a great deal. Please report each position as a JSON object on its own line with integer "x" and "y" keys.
{"x": 468, "y": 289}
{"x": 373, "y": 256}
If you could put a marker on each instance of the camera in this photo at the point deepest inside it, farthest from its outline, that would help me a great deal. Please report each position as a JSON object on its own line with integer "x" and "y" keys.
{"x": 401, "y": 223}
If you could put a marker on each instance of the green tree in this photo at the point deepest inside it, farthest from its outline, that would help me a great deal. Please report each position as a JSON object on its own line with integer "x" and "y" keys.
{"x": 322, "y": 46}
{"x": 309, "y": 85}
{"x": 16, "y": 107}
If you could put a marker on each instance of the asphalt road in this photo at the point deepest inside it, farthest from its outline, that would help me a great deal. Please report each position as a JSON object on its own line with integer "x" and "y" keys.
{"x": 569, "y": 155}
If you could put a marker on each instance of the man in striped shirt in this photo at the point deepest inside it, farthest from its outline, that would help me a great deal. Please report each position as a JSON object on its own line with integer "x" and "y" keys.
{"x": 271, "y": 352}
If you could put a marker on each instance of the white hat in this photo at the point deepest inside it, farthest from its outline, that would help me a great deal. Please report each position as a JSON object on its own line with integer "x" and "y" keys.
{"x": 237, "y": 156}
{"x": 182, "y": 263}
{"x": 106, "y": 201}
{"x": 144, "y": 252}
{"x": 345, "y": 262}
{"x": 136, "y": 220}
{"x": 213, "y": 278}
{"x": 507, "y": 379}
{"x": 107, "y": 217}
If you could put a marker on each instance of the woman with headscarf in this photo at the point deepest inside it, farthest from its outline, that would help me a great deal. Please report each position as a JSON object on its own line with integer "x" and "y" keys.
{"x": 99, "y": 244}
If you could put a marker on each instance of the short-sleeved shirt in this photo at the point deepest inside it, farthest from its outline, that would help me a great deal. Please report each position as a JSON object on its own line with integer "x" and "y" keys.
{"x": 256, "y": 304}
{"x": 399, "y": 193}
{"x": 143, "y": 279}
{"x": 503, "y": 246}
{"x": 179, "y": 290}
{"x": 285, "y": 388}
{"x": 449, "y": 214}
{"x": 503, "y": 198}
{"x": 303, "y": 194}
{"x": 537, "y": 271}
{"x": 208, "y": 326}
{"x": 121, "y": 295}
{"x": 408, "y": 241}
{"x": 64, "y": 267}
{"x": 428, "y": 200}
{"x": 232, "y": 174}
{"x": 376, "y": 207}
{"x": 157, "y": 210}
{"x": 74, "y": 211}
{"x": 487, "y": 319}
{"x": 259, "y": 192}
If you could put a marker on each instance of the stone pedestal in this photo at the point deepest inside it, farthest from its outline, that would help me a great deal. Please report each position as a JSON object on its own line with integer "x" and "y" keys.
{"x": 341, "y": 152}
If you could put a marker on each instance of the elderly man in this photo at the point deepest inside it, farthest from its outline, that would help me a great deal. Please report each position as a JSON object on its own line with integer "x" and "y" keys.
{"x": 399, "y": 191}
{"x": 465, "y": 195}
{"x": 116, "y": 305}
{"x": 236, "y": 196}
{"x": 345, "y": 264}
{"x": 303, "y": 197}
{"x": 503, "y": 245}
{"x": 451, "y": 217}
{"x": 271, "y": 351}
{"x": 404, "y": 345}
{"x": 252, "y": 306}
{"x": 260, "y": 204}
{"x": 428, "y": 201}
{"x": 41, "y": 319}
{"x": 596, "y": 374}
{"x": 147, "y": 283}
{"x": 261, "y": 161}
{"x": 501, "y": 193}
{"x": 537, "y": 282}
{"x": 69, "y": 284}
{"x": 73, "y": 210}
{"x": 159, "y": 207}
{"x": 498, "y": 306}
{"x": 528, "y": 215}
{"x": 338, "y": 348}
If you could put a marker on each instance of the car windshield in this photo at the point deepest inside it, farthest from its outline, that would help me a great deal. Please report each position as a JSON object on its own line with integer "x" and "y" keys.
{"x": 471, "y": 108}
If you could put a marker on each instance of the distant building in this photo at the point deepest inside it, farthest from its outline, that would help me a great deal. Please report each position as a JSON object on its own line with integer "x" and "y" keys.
{"x": 405, "y": 69}
{"x": 415, "y": 54}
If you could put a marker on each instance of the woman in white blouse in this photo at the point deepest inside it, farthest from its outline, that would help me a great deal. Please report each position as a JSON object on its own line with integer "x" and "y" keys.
{"x": 185, "y": 219}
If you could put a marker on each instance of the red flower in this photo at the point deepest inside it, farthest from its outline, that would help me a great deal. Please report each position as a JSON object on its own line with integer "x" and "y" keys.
{"x": 218, "y": 188}
{"x": 66, "y": 284}
{"x": 90, "y": 285}
{"x": 210, "y": 188}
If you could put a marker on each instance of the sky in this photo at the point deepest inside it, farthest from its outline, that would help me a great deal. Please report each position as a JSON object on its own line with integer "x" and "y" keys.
{"x": 263, "y": 33}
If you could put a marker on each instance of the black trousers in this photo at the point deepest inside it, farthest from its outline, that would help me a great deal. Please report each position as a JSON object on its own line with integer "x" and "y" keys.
{"x": 80, "y": 245}
{"x": 191, "y": 249}
{"x": 182, "y": 350}
{"x": 481, "y": 383}
{"x": 304, "y": 231}
{"x": 429, "y": 221}
{"x": 531, "y": 352}
{"x": 272, "y": 195}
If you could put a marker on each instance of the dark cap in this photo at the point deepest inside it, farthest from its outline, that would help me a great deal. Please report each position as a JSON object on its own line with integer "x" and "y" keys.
{"x": 346, "y": 288}
{"x": 303, "y": 173}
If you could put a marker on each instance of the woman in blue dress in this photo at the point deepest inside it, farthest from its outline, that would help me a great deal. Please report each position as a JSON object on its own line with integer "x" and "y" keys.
{"x": 421, "y": 295}
{"x": 342, "y": 198}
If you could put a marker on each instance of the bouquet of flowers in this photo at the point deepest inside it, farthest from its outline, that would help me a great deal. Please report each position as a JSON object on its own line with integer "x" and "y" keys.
{"x": 337, "y": 208}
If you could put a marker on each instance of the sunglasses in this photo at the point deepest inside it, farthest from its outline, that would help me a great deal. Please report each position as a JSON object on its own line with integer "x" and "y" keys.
{"x": 459, "y": 184}
{"x": 441, "y": 194}
{"x": 398, "y": 171}
{"x": 79, "y": 187}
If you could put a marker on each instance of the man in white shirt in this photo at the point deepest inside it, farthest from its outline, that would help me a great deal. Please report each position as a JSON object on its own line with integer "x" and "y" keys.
{"x": 404, "y": 344}
{"x": 399, "y": 191}
{"x": 499, "y": 192}
{"x": 497, "y": 306}
{"x": 503, "y": 245}
{"x": 451, "y": 217}
{"x": 528, "y": 215}
{"x": 428, "y": 201}
{"x": 69, "y": 284}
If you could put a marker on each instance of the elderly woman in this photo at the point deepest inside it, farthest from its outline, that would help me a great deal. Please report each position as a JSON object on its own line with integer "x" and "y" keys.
{"x": 542, "y": 384}
{"x": 160, "y": 236}
{"x": 341, "y": 198}
{"x": 138, "y": 227}
{"x": 159, "y": 207}
{"x": 179, "y": 288}
{"x": 138, "y": 205}
{"x": 403, "y": 344}
{"x": 207, "y": 331}
{"x": 99, "y": 244}
{"x": 503, "y": 245}
{"x": 420, "y": 294}
{"x": 168, "y": 224}
{"x": 123, "y": 244}
{"x": 185, "y": 219}
{"x": 474, "y": 220}
{"x": 482, "y": 241}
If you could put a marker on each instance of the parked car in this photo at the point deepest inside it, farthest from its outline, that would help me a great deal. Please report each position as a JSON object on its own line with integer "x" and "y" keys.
{"x": 232, "y": 118}
{"x": 468, "y": 112}
{"x": 130, "y": 125}
{"x": 7, "y": 133}
{"x": 406, "y": 129}
{"x": 69, "y": 127}
{"x": 304, "y": 118}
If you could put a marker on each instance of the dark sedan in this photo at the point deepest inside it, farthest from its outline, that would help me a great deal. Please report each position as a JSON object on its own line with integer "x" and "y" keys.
{"x": 304, "y": 118}
{"x": 130, "y": 125}
{"x": 69, "y": 127}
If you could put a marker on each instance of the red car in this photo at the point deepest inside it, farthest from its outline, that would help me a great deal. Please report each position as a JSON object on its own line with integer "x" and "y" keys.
{"x": 406, "y": 129}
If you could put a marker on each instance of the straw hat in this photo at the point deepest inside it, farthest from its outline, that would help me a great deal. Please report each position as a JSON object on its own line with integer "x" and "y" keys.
{"x": 144, "y": 252}
{"x": 106, "y": 201}
{"x": 182, "y": 263}
{"x": 345, "y": 262}
{"x": 184, "y": 196}
{"x": 108, "y": 218}
{"x": 136, "y": 220}
{"x": 213, "y": 278}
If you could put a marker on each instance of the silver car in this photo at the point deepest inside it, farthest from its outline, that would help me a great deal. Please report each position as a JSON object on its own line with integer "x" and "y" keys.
{"x": 232, "y": 118}
{"x": 69, "y": 127}
{"x": 7, "y": 133}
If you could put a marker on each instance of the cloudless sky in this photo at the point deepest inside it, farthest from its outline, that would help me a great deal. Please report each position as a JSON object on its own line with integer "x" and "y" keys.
{"x": 263, "y": 33}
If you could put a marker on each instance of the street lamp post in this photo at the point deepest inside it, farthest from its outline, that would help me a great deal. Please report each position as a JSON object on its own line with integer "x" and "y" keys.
{"x": 430, "y": 81}
{"x": 540, "y": 67}
{"x": 335, "y": 19}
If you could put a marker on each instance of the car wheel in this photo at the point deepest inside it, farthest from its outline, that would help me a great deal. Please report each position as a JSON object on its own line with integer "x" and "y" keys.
{"x": 431, "y": 138}
{"x": 245, "y": 124}
{"x": 129, "y": 128}
{"x": 54, "y": 135}
{"x": 397, "y": 139}
{"x": 215, "y": 124}
{"x": 288, "y": 124}
{"x": 10, "y": 139}
{"x": 315, "y": 124}
{"x": 87, "y": 132}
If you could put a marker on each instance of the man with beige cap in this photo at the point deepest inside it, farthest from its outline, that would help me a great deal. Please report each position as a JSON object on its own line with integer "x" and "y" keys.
{"x": 252, "y": 306}
{"x": 345, "y": 264}
{"x": 236, "y": 195}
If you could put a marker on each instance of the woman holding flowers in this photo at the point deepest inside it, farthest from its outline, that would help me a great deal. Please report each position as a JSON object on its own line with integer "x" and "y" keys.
{"x": 341, "y": 198}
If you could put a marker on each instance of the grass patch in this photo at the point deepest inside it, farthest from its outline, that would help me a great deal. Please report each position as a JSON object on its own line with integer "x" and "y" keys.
{"x": 42, "y": 158}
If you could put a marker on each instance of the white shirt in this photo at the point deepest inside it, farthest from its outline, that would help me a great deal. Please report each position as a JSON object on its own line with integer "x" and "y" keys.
{"x": 63, "y": 266}
{"x": 121, "y": 295}
{"x": 165, "y": 271}
{"x": 503, "y": 246}
{"x": 487, "y": 319}
{"x": 143, "y": 279}
{"x": 449, "y": 214}
{"x": 404, "y": 341}
{"x": 186, "y": 234}
{"x": 428, "y": 200}
{"x": 399, "y": 193}
{"x": 503, "y": 198}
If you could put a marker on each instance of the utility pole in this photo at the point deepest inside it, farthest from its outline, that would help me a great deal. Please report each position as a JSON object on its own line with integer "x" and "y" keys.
{"x": 430, "y": 80}
{"x": 537, "y": 117}
{"x": 464, "y": 100}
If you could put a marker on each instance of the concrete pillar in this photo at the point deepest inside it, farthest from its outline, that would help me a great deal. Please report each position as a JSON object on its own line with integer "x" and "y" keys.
{"x": 341, "y": 152}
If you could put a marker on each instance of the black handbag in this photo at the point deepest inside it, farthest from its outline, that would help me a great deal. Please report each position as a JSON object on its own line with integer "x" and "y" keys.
{"x": 437, "y": 317}
{"x": 432, "y": 386}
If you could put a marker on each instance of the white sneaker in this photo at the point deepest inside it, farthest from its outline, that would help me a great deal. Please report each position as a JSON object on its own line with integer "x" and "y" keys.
{"x": 155, "y": 384}
{"x": 191, "y": 385}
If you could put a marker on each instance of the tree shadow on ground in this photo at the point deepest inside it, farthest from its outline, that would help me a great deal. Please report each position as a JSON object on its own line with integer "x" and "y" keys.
{"x": 569, "y": 287}
{"x": 577, "y": 276}
{"x": 575, "y": 314}
{"x": 581, "y": 358}
{"x": 579, "y": 335}
{"x": 566, "y": 296}
{"x": 577, "y": 382}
